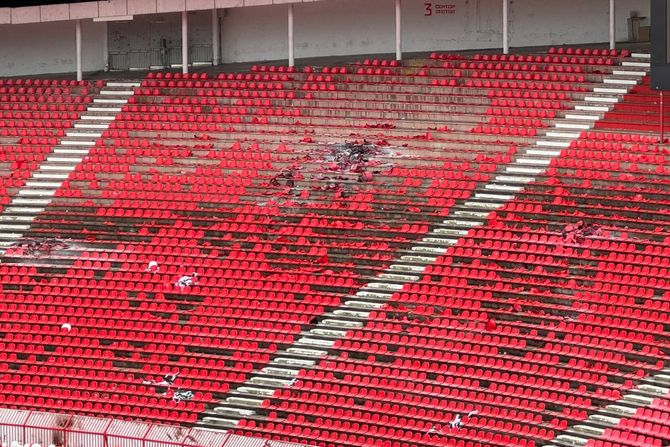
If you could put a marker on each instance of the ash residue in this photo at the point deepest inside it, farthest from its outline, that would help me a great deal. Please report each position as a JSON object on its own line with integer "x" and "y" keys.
{"x": 36, "y": 247}
{"x": 353, "y": 157}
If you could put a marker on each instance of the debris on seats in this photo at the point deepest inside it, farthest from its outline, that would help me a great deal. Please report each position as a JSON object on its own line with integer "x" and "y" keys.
{"x": 36, "y": 247}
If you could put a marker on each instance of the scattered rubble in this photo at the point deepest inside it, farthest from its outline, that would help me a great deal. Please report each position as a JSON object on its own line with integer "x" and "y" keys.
{"x": 36, "y": 247}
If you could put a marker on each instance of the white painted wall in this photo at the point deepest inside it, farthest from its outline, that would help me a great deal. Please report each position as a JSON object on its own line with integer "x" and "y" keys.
{"x": 145, "y": 31}
{"x": 49, "y": 48}
{"x": 328, "y": 27}
{"x": 569, "y": 21}
{"x": 259, "y": 31}
{"x": 342, "y": 27}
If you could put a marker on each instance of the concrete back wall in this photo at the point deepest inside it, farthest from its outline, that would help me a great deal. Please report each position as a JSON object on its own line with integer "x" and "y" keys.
{"x": 333, "y": 27}
{"x": 341, "y": 27}
{"x": 49, "y": 48}
{"x": 145, "y": 31}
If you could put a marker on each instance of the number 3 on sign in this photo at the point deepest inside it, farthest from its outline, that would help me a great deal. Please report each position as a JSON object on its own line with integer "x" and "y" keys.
{"x": 429, "y": 9}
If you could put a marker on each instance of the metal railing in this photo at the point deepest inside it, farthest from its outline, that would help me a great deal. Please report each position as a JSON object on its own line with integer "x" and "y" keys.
{"x": 158, "y": 57}
{"x": 66, "y": 430}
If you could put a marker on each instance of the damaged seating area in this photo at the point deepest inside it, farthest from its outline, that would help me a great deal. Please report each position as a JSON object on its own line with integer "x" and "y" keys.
{"x": 287, "y": 191}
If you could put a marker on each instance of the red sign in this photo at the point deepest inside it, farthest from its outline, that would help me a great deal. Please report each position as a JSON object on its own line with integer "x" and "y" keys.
{"x": 435, "y": 8}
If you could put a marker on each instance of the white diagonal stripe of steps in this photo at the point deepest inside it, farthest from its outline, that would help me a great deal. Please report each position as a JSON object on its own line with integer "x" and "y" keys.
{"x": 39, "y": 190}
{"x": 408, "y": 268}
{"x": 642, "y": 395}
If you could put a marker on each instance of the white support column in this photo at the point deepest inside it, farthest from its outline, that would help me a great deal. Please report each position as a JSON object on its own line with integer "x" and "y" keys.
{"x": 612, "y": 25}
{"x": 505, "y": 18}
{"x": 291, "y": 54}
{"x": 78, "y": 48}
{"x": 184, "y": 42}
{"x": 398, "y": 31}
{"x": 215, "y": 37}
{"x": 105, "y": 47}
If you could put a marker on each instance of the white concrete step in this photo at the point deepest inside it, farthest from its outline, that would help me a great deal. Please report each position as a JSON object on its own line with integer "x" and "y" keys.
{"x": 591, "y": 109}
{"x": 577, "y": 126}
{"x": 11, "y": 236}
{"x": 418, "y": 259}
{"x": 543, "y": 153}
{"x": 276, "y": 371}
{"x": 257, "y": 391}
{"x": 104, "y": 109}
{"x": 469, "y": 214}
{"x": 36, "y": 192}
{"x": 604, "y": 419}
{"x": 606, "y": 99}
{"x": 407, "y": 268}
{"x": 123, "y": 84}
{"x": 271, "y": 381}
{"x": 51, "y": 175}
{"x": 635, "y": 64}
{"x": 90, "y": 126}
{"x": 579, "y": 116}
{"x": 562, "y": 134}
{"x": 29, "y": 201}
{"x": 331, "y": 322}
{"x": 637, "y": 399}
{"x": 43, "y": 184}
{"x": 533, "y": 161}
{"x": 629, "y": 73}
{"x": 325, "y": 332}
{"x": 87, "y": 143}
{"x": 315, "y": 342}
{"x": 661, "y": 378}
{"x": 294, "y": 362}
{"x": 439, "y": 241}
{"x": 429, "y": 250}
{"x": 65, "y": 151}
{"x": 117, "y": 92}
{"x": 223, "y": 422}
{"x": 514, "y": 179}
{"x": 621, "y": 409}
{"x": 462, "y": 223}
{"x": 653, "y": 389}
{"x": 60, "y": 168}
{"x": 242, "y": 412}
{"x": 616, "y": 91}
{"x": 359, "y": 305}
{"x": 523, "y": 170}
{"x": 589, "y": 430}
{"x": 485, "y": 205}
{"x": 23, "y": 210}
{"x": 571, "y": 439}
{"x": 500, "y": 187}
{"x": 553, "y": 143}
{"x": 73, "y": 161}
{"x": 620, "y": 81}
{"x": 7, "y": 217}
{"x": 383, "y": 286}
{"x": 98, "y": 117}
{"x": 373, "y": 295}
{"x": 244, "y": 401}
{"x": 451, "y": 231}
{"x": 347, "y": 313}
{"x": 398, "y": 277}
{"x": 13, "y": 227}
{"x": 83, "y": 134}
{"x": 110, "y": 101}
{"x": 496, "y": 197}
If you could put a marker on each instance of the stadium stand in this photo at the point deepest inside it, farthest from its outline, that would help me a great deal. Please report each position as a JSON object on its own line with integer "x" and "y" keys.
{"x": 289, "y": 192}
